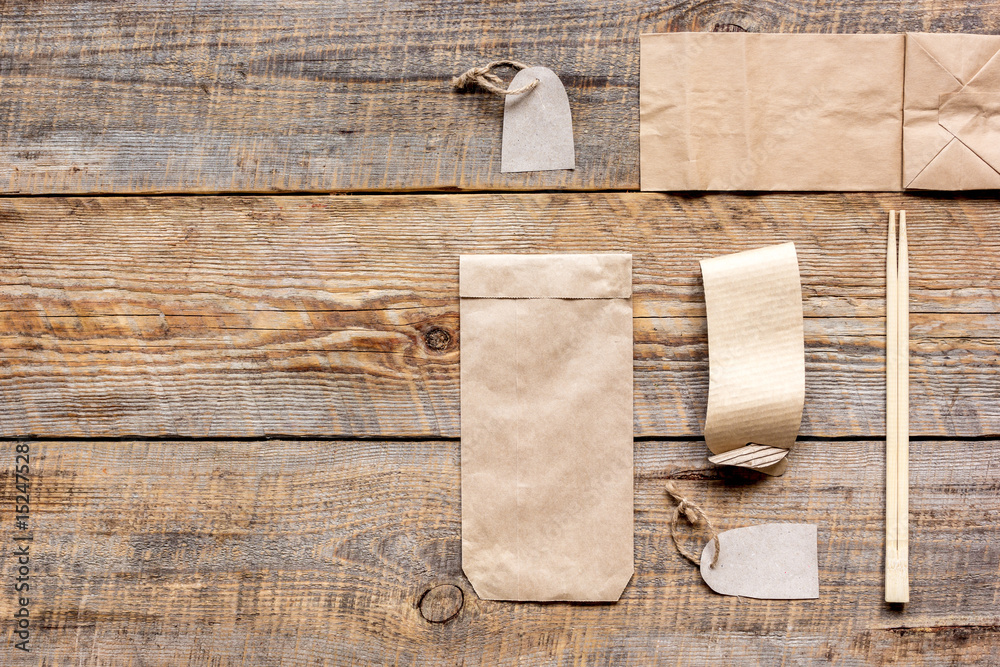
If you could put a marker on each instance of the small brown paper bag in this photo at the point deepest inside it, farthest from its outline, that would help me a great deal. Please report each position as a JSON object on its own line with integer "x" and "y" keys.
{"x": 747, "y": 111}
{"x": 546, "y": 372}
{"x": 756, "y": 356}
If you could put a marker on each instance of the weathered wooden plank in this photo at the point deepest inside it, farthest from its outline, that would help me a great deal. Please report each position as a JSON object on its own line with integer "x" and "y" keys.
{"x": 264, "y": 553}
{"x": 322, "y": 316}
{"x": 243, "y": 95}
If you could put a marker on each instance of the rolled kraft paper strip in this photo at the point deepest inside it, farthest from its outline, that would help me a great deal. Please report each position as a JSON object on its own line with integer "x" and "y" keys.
{"x": 756, "y": 357}
{"x": 546, "y": 378}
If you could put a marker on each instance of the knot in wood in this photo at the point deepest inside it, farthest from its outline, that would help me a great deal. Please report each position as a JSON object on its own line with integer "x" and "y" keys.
{"x": 441, "y": 603}
{"x": 437, "y": 339}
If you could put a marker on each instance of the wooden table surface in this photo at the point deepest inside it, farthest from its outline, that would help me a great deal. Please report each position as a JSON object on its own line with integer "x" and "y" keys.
{"x": 229, "y": 239}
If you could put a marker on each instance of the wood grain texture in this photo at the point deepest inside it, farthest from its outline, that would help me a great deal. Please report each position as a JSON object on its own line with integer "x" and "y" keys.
{"x": 295, "y": 553}
{"x": 331, "y": 316}
{"x": 244, "y": 95}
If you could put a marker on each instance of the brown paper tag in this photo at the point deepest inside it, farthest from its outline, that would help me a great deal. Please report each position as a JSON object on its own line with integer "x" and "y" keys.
{"x": 547, "y": 425}
{"x": 756, "y": 355}
{"x": 537, "y": 125}
{"x": 774, "y": 561}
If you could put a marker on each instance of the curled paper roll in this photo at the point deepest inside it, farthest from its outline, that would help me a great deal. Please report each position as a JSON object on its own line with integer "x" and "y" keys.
{"x": 756, "y": 357}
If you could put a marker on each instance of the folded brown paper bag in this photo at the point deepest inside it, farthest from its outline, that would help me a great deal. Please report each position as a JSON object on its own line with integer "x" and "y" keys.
{"x": 745, "y": 111}
{"x": 756, "y": 356}
{"x": 546, "y": 372}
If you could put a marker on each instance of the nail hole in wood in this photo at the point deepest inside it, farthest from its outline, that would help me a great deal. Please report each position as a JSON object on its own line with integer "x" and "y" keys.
{"x": 441, "y": 603}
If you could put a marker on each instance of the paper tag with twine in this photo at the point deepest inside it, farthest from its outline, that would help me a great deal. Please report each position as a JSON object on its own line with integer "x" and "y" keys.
{"x": 773, "y": 561}
{"x": 537, "y": 123}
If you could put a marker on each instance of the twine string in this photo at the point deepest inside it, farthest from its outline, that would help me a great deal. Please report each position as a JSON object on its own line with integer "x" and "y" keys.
{"x": 484, "y": 77}
{"x": 696, "y": 517}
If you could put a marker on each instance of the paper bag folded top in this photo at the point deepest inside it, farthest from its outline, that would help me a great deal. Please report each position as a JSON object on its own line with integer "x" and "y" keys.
{"x": 951, "y": 112}
{"x": 744, "y": 111}
{"x": 546, "y": 379}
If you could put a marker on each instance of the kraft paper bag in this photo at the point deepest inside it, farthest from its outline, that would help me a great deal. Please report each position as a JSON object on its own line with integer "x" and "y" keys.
{"x": 546, "y": 373}
{"x": 951, "y": 112}
{"x": 756, "y": 357}
{"x": 744, "y": 111}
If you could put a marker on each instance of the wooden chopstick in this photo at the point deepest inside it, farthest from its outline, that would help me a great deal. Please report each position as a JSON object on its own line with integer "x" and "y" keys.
{"x": 897, "y": 417}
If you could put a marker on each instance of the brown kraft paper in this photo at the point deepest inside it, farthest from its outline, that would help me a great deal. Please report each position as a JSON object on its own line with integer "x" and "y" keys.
{"x": 819, "y": 112}
{"x": 756, "y": 355}
{"x": 744, "y": 111}
{"x": 546, "y": 377}
{"x": 951, "y": 112}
